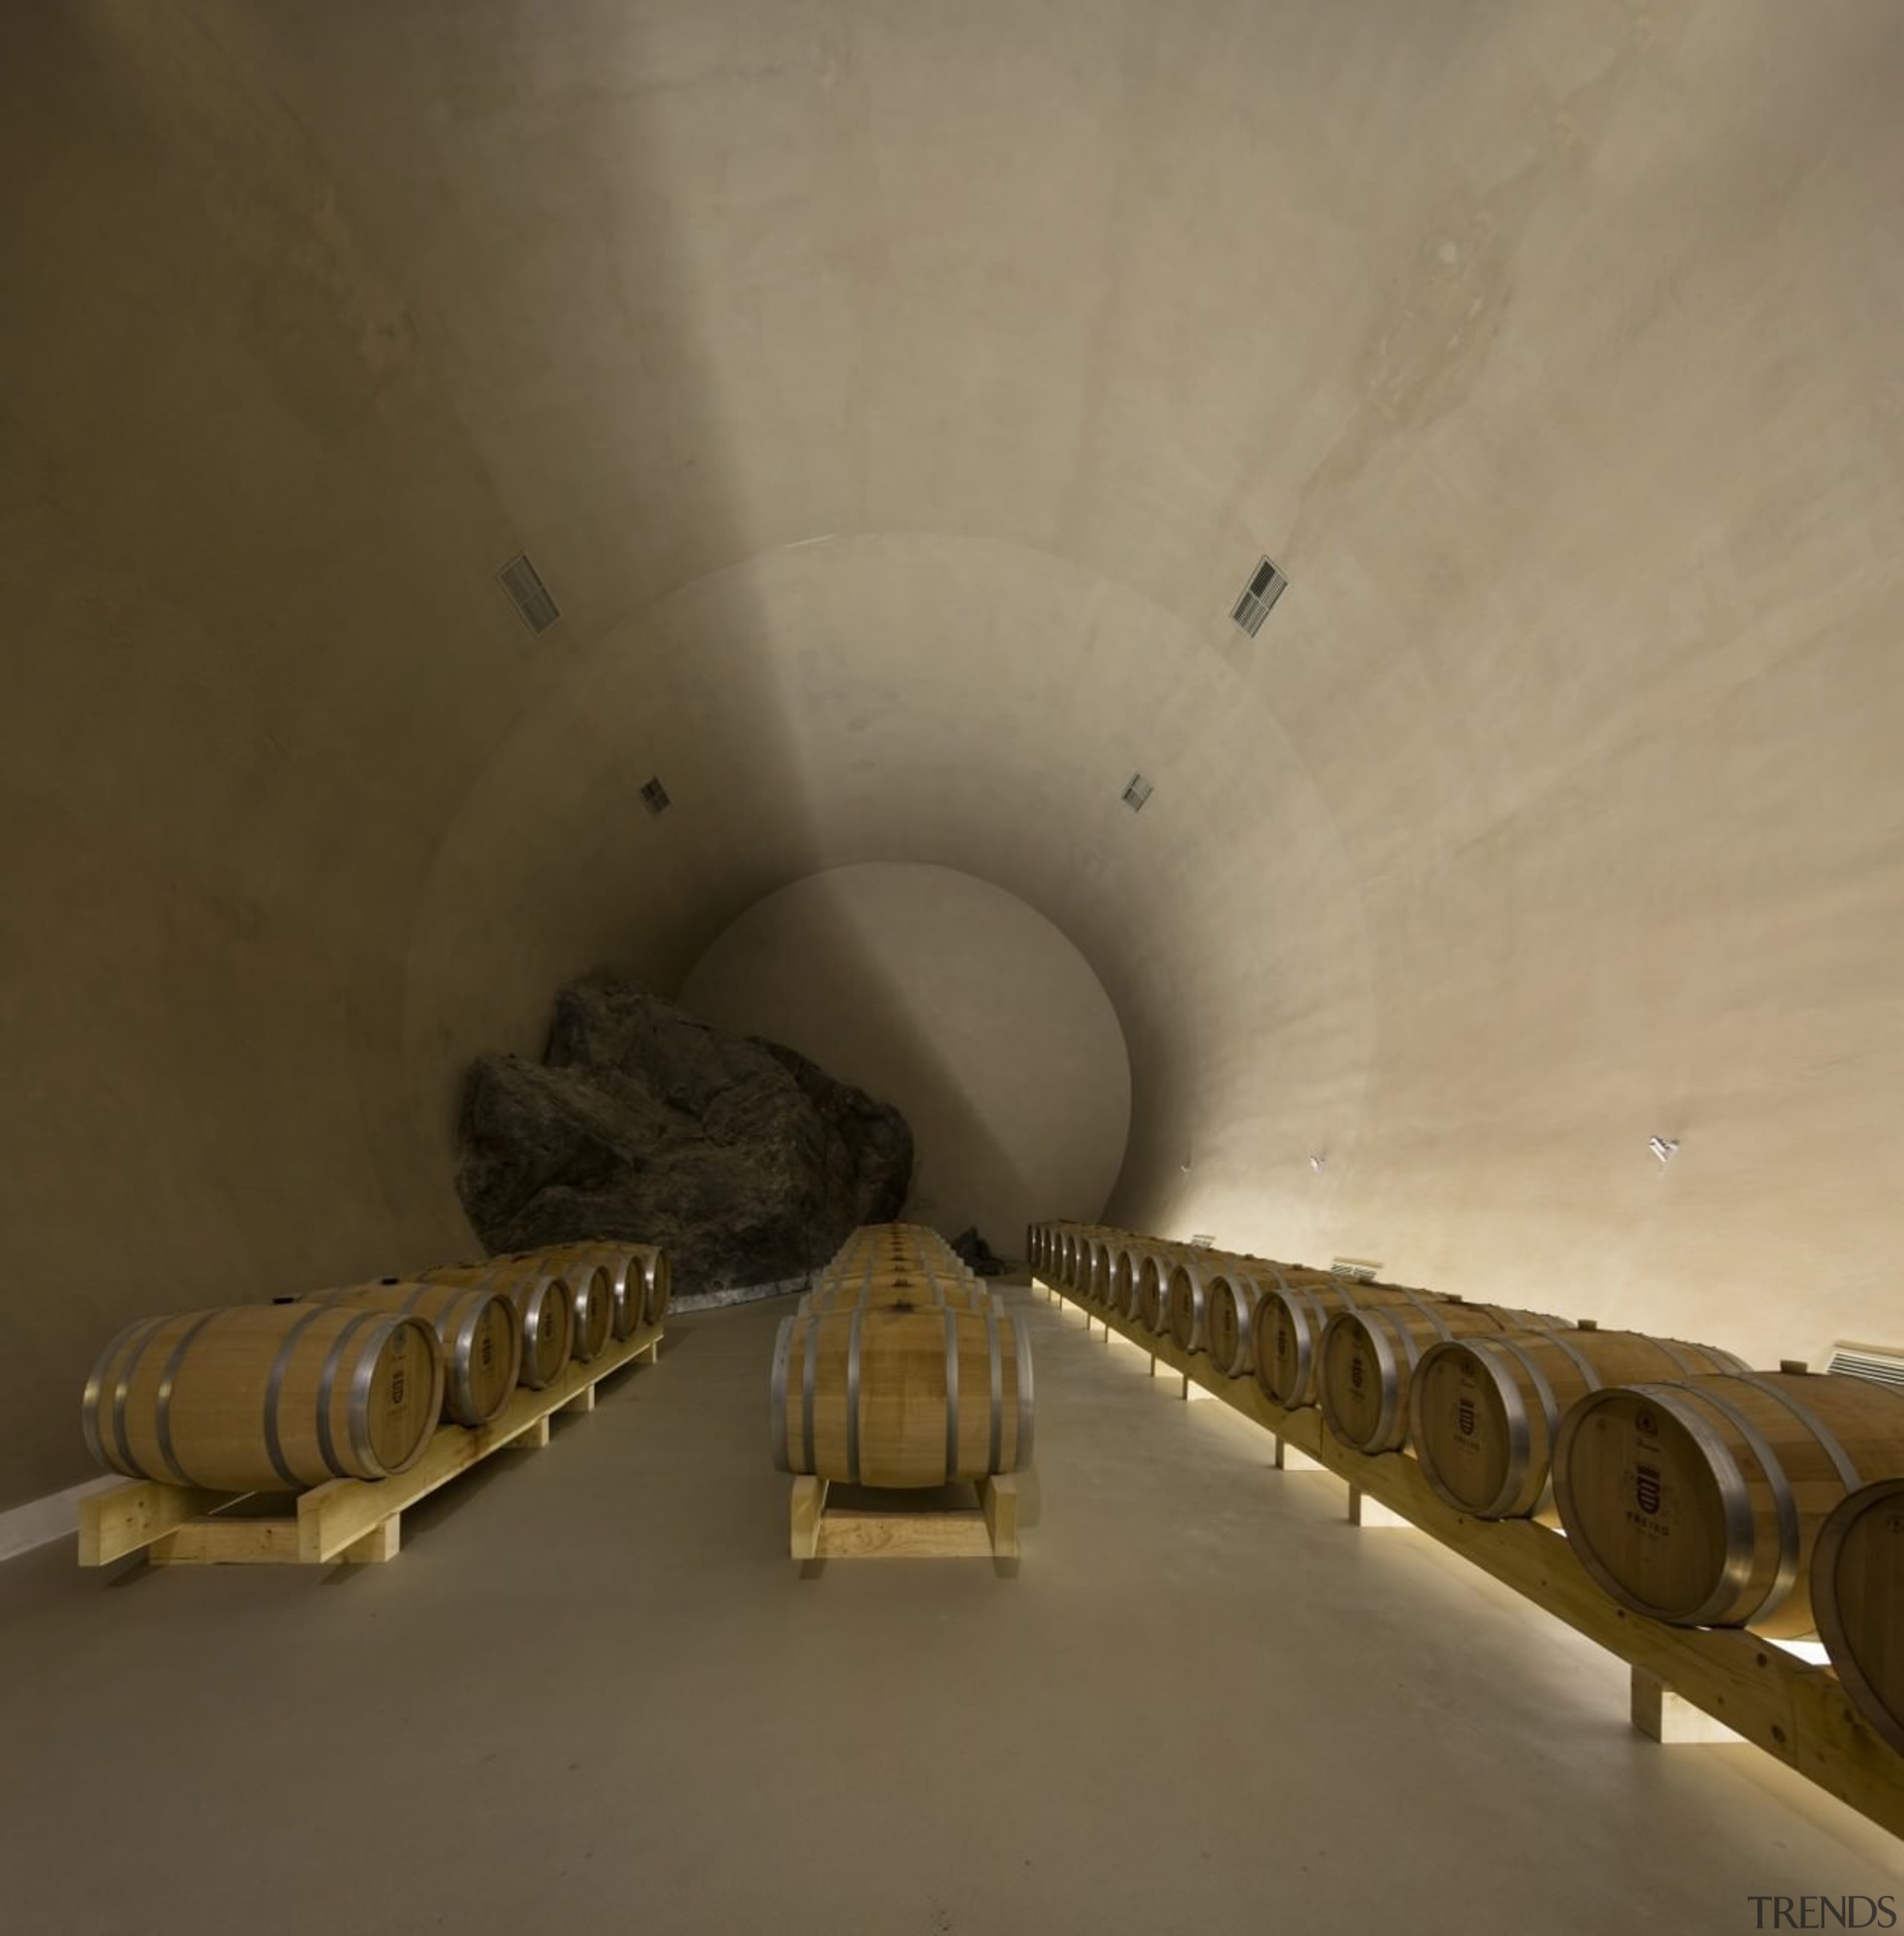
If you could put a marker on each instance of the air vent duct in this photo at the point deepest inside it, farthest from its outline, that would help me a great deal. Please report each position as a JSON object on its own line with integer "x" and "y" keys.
{"x": 528, "y": 593}
{"x": 1869, "y": 1361}
{"x": 654, "y": 797}
{"x": 1137, "y": 793}
{"x": 1266, "y": 586}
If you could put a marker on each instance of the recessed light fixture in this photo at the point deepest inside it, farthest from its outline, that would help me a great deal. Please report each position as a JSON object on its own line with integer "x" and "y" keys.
{"x": 654, "y": 797}
{"x": 1266, "y": 584}
{"x": 530, "y": 596}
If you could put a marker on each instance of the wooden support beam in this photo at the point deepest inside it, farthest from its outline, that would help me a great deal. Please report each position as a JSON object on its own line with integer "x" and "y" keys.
{"x": 584, "y": 1401}
{"x": 131, "y": 1517}
{"x": 1292, "y": 1459}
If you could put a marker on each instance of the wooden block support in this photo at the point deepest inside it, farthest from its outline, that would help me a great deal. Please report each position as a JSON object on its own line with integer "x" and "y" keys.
{"x": 988, "y": 1531}
{"x": 1292, "y": 1459}
{"x": 356, "y": 1520}
{"x": 1364, "y": 1510}
{"x": 1663, "y": 1716}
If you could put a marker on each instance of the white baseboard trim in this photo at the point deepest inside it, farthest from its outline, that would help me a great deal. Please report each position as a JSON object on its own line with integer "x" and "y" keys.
{"x": 40, "y": 1522}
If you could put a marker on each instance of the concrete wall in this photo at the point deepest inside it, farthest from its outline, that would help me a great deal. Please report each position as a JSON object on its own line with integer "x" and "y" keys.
{"x": 958, "y": 1002}
{"x": 895, "y": 399}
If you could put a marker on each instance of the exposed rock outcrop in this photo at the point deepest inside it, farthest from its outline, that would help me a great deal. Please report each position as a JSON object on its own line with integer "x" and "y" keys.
{"x": 749, "y": 1162}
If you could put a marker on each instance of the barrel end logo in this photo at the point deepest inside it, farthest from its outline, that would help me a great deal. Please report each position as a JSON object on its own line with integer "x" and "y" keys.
{"x": 1464, "y": 1414}
{"x": 1646, "y": 1490}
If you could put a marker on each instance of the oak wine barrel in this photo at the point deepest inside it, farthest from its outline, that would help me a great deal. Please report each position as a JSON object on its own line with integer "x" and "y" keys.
{"x": 477, "y": 1331}
{"x": 1230, "y": 1298}
{"x": 899, "y": 1294}
{"x": 901, "y": 1398}
{"x": 1484, "y": 1412}
{"x": 265, "y": 1397}
{"x": 1699, "y": 1502}
{"x": 1368, "y": 1358}
{"x": 1184, "y": 1301}
{"x": 1857, "y": 1594}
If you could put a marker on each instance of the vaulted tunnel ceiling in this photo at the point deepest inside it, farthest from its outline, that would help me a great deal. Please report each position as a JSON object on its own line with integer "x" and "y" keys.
{"x": 895, "y": 398}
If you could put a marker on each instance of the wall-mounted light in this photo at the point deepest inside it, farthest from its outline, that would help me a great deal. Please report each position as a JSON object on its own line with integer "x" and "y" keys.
{"x": 1318, "y": 1163}
{"x": 1663, "y": 1147}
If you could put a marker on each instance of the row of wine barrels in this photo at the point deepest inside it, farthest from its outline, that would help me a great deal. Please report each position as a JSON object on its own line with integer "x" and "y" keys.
{"x": 640, "y": 1281}
{"x": 544, "y": 1301}
{"x": 1694, "y": 1491}
{"x": 900, "y": 1397}
{"x": 1369, "y": 1355}
{"x": 1484, "y": 1412}
{"x": 265, "y": 1397}
{"x": 1700, "y": 1502}
{"x": 477, "y": 1332}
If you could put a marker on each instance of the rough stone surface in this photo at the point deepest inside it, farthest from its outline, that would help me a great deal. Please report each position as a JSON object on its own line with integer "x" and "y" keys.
{"x": 749, "y": 1162}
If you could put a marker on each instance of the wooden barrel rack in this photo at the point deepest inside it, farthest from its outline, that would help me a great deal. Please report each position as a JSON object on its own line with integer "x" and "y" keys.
{"x": 1684, "y": 1679}
{"x": 354, "y": 1521}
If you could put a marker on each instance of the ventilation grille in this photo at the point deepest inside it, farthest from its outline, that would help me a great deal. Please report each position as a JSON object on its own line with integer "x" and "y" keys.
{"x": 1264, "y": 589}
{"x": 1869, "y": 1361}
{"x": 1137, "y": 793}
{"x": 524, "y": 584}
{"x": 1202, "y": 1241}
{"x": 654, "y": 797}
{"x": 1361, "y": 1269}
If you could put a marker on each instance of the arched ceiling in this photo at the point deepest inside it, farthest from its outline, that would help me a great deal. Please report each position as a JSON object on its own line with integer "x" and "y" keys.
{"x": 895, "y": 398}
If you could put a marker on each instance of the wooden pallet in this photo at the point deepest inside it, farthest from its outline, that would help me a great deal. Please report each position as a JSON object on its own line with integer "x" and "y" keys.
{"x": 357, "y": 1521}
{"x": 892, "y": 1530}
{"x": 1750, "y": 1687}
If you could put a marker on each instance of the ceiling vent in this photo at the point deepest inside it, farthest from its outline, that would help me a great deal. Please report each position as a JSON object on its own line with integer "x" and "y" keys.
{"x": 654, "y": 797}
{"x": 1137, "y": 793}
{"x": 530, "y": 596}
{"x": 1264, "y": 589}
{"x": 1869, "y": 1361}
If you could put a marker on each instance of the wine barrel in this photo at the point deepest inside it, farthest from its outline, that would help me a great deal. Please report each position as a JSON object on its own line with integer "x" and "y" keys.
{"x": 542, "y": 1301}
{"x": 1699, "y": 1502}
{"x": 917, "y": 1294}
{"x": 1121, "y": 1295}
{"x": 1230, "y": 1298}
{"x": 1368, "y": 1360}
{"x": 1857, "y": 1594}
{"x": 265, "y": 1397}
{"x": 478, "y": 1332}
{"x": 1484, "y": 1411}
{"x": 901, "y": 1398}
{"x": 1286, "y": 1329}
{"x": 1183, "y": 1301}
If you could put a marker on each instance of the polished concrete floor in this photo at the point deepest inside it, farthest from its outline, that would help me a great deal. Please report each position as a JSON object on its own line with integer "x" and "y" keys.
{"x": 594, "y": 1693}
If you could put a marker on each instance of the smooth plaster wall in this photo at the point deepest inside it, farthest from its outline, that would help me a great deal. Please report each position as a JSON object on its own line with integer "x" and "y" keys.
{"x": 960, "y": 1004}
{"x": 894, "y": 398}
